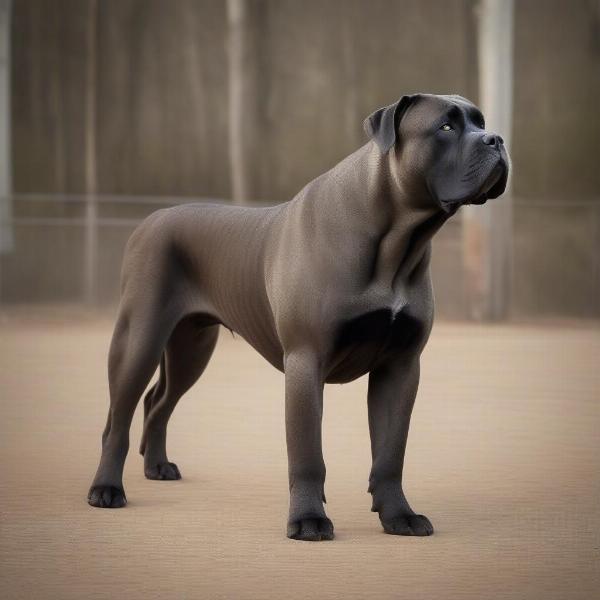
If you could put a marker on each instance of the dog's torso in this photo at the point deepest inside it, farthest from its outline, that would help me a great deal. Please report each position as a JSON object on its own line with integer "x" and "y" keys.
{"x": 286, "y": 276}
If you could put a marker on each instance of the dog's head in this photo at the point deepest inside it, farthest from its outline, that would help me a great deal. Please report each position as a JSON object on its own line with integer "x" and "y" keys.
{"x": 441, "y": 145}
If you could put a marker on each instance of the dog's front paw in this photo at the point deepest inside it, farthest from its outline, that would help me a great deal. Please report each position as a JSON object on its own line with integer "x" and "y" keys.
{"x": 310, "y": 529}
{"x": 408, "y": 524}
{"x": 106, "y": 496}
{"x": 167, "y": 471}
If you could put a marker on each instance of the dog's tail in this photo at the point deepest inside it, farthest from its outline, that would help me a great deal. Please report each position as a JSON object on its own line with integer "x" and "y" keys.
{"x": 153, "y": 396}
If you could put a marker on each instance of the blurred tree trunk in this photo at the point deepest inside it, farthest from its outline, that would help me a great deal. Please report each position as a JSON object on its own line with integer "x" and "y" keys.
{"x": 487, "y": 230}
{"x": 242, "y": 96}
{"x": 6, "y": 236}
{"x": 91, "y": 183}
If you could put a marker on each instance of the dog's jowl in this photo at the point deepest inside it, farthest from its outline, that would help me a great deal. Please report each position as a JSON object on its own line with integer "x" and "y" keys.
{"x": 327, "y": 287}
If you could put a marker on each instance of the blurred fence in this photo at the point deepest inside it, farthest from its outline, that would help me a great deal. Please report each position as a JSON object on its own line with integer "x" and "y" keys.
{"x": 61, "y": 248}
{"x": 128, "y": 99}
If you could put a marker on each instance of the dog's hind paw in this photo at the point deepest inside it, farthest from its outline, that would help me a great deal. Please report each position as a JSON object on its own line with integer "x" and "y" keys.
{"x": 167, "y": 471}
{"x": 106, "y": 496}
{"x": 418, "y": 525}
{"x": 312, "y": 529}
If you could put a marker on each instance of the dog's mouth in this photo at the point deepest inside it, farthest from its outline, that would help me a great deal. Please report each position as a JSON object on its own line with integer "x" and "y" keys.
{"x": 494, "y": 185}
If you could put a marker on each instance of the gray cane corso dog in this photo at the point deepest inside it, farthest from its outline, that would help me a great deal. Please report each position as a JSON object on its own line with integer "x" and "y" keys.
{"x": 327, "y": 287}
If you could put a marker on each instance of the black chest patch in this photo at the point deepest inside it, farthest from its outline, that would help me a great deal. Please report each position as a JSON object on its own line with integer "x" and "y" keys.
{"x": 364, "y": 340}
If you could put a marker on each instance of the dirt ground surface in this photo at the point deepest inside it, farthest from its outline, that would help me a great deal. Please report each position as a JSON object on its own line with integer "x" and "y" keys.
{"x": 503, "y": 457}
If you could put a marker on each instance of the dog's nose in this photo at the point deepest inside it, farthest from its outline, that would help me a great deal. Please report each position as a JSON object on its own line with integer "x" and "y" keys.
{"x": 492, "y": 139}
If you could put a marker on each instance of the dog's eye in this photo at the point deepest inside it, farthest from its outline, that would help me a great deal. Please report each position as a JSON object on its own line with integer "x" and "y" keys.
{"x": 446, "y": 127}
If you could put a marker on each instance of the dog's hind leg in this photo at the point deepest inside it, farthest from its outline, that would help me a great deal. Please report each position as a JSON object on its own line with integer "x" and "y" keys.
{"x": 138, "y": 341}
{"x": 187, "y": 353}
{"x": 154, "y": 394}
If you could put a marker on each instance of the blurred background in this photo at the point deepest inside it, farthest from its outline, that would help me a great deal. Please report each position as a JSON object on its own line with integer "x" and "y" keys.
{"x": 111, "y": 109}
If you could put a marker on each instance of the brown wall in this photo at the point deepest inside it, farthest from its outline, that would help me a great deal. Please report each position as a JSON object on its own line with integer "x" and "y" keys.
{"x": 321, "y": 68}
{"x": 48, "y": 84}
{"x": 161, "y": 96}
{"x": 556, "y": 158}
{"x": 162, "y": 88}
{"x": 326, "y": 65}
{"x": 557, "y": 94}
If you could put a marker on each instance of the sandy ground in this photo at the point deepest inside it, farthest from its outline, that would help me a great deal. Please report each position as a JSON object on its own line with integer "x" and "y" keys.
{"x": 503, "y": 457}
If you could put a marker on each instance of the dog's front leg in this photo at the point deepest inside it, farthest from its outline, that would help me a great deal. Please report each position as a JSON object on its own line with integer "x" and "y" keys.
{"x": 303, "y": 414}
{"x": 392, "y": 391}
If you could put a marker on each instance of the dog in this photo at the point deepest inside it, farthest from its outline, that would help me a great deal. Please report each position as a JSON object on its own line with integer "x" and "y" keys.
{"x": 328, "y": 287}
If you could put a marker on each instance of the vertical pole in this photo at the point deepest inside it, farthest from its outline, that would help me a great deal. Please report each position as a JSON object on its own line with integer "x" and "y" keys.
{"x": 487, "y": 230}
{"x": 6, "y": 233}
{"x": 240, "y": 67}
{"x": 91, "y": 211}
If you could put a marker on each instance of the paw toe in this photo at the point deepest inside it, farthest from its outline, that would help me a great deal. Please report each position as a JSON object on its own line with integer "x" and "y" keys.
{"x": 163, "y": 472}
{"x": 105, "y": 496}
{"x": 313, "y": 529}
{"x": 418, "y": 525}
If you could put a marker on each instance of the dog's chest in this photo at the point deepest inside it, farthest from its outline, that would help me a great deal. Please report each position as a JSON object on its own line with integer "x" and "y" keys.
{"x": 361, "y": 342}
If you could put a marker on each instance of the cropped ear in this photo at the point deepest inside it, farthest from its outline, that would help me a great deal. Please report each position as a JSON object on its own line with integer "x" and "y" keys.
{"x": 382, "y": 125}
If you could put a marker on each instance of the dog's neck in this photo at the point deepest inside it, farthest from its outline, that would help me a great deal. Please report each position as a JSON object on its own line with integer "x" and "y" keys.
{"x": 398, "y": 219}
